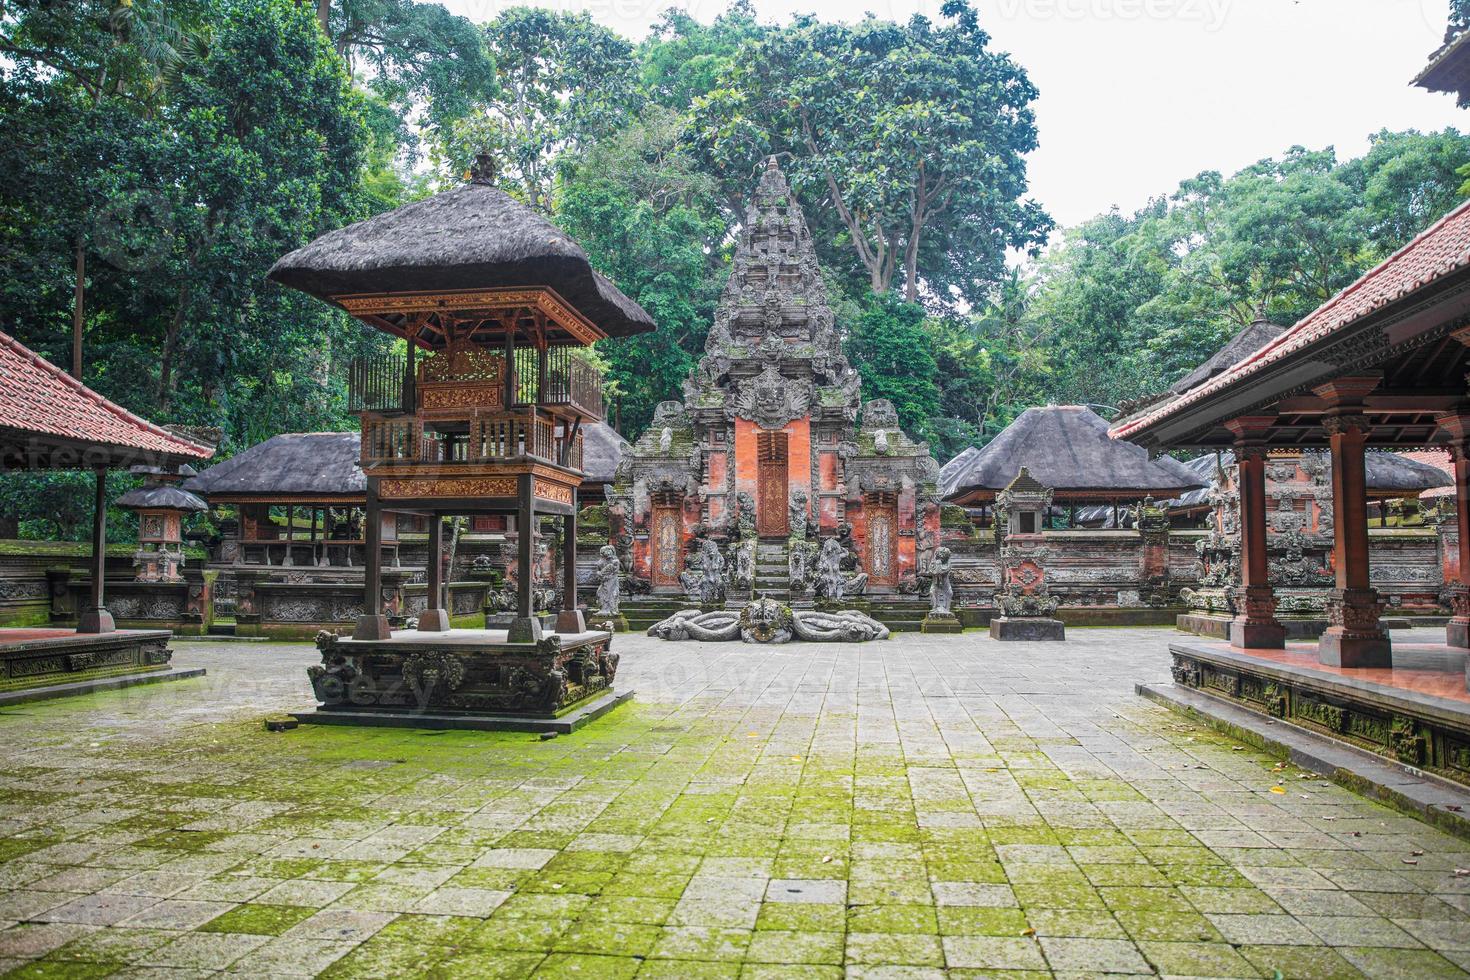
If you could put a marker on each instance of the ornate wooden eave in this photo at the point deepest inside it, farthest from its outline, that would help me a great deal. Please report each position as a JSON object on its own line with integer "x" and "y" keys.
{"x": 424, "y": 317}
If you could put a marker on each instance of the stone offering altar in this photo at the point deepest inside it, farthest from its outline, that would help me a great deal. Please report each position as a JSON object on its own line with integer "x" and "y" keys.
{"x": 1027, "y": 608}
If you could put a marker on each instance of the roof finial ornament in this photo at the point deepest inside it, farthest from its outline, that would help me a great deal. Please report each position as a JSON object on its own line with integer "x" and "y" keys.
{"x": 483, "y": 170}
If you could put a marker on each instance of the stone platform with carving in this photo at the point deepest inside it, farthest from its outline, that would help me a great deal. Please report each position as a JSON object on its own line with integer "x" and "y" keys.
{"x": 1416, "y": 713}
{"x": 469, "y": 678}
{"x": 45, "y": 663}
{"x": 767, "y": 621}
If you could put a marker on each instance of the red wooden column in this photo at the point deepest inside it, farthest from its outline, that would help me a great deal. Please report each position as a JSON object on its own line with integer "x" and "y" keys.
{"x": 1255, "y": 624}
{"x": 1457, "y": 426}
{"x": 1355, "y": 636}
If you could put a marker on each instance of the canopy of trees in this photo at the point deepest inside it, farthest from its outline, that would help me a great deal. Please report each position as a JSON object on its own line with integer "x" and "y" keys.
{"x": 160, "y": 154}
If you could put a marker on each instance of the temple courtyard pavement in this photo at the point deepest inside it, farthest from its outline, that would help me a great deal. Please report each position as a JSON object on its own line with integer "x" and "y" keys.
{"x": 924, "y": 806}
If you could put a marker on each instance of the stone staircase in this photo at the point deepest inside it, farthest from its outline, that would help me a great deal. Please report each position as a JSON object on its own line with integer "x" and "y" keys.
{"x": 772, "y": 569}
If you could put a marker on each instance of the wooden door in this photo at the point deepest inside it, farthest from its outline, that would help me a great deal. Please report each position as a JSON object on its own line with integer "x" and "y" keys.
{"x": 882, "y": 544}
{"x": 668, "y": 545}
{"x": 772, "y": 517}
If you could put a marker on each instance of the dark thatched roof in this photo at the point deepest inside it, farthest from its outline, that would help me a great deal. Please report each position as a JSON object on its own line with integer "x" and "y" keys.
{"x": 160, "y": 497}
{"x": 1067, "y": 448}
{"x": 472, "y": 237}
{"x": 321, "y": 464}
{"x": 953, "y": 468}
{"x": 1239, "y": 347}
{"x": 602, "y": 450}
{"x": 1388, "y": 475}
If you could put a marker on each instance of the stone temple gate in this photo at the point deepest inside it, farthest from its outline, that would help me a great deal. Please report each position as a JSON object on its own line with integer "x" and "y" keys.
{"x": 772, "y": 447}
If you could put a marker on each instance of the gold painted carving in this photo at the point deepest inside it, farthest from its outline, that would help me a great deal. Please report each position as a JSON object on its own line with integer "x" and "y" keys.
{"x": 403, "y": 489}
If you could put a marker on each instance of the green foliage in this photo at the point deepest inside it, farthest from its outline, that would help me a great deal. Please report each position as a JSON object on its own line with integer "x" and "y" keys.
{"x": 648, "y": 218}
{"x": 912, "y": 136}
{"x": 889, "y": 346}
{"x": 1134, "y": 302}
{"x": 564, "y": 82}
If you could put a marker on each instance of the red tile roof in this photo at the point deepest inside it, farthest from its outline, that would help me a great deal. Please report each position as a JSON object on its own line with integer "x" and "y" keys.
{"x": 1441, "y": 249}
{"x": 38, "y": 398}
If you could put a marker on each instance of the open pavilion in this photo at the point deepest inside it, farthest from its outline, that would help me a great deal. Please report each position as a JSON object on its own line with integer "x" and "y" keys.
{"x": 1381, "y": 365}
{"x": 483, "y": 415}
{"x": 51, "y": 421}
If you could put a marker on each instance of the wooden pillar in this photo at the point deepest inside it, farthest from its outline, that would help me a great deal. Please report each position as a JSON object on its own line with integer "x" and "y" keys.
{"x": 97, "y": 619}
{"x": 1255, "y": 625}
{"x": 372, "y": 624}
{"x": 435, "y": 617}
{"x": 1355, "y": 637}
{"x": 571, "y": 619}
{"x": 526, "y": 628}
{"x": 1457, "y": 425}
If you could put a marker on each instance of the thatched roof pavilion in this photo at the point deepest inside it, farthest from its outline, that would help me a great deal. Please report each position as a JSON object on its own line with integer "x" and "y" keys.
{"x": 1067, "y": 448}
{"x": 317, "y": 466}
{"x": 472, "y": 238}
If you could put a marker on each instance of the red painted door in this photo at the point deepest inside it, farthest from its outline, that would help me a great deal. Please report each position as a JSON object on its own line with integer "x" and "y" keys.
{"x": 772, "y": 518}
{"x": 668, "y": 545}
{"x": 882, "y": 544}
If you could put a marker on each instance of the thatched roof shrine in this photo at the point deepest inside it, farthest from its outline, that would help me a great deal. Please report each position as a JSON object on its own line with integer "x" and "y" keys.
{"x": 319, "y": 466}
{"x": 471, "y": 238}
{"x": 1067, "y": 448}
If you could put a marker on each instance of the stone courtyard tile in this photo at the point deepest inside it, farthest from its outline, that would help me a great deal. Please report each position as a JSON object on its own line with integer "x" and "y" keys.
{"x": 993, "y": 953}
{"x": 202, "y": 951}
{"x": 894, "y": 949}
{"x": 1093, "y": 955}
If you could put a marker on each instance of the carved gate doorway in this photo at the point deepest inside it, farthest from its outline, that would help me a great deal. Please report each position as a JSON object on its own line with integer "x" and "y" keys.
{"x": 880, "y": 513}
{"x": 772, "y": 519}
{"x": 666, "y": 539}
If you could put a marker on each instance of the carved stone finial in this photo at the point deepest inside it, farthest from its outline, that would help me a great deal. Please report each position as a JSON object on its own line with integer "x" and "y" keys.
{"x": 483, "y": 170}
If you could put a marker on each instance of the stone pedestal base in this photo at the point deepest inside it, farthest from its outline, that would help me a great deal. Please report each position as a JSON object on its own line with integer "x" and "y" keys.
{"x": 97, "y": 620}
{"x": 1027, "y": 630}
{"x": 1336, "y": 649}
{"x": 434, "y": 621}
{"x": 1356, "y": 637}
{"x": 372, "y": 628}
{"x": 613, "y": 622}
{"x": 524, "y": 629}
{"x": 1457, "y": 634}
{"x": 571, "y": 621}
{"x": 944, "y": 623}
{"x": 1250, "y": 635}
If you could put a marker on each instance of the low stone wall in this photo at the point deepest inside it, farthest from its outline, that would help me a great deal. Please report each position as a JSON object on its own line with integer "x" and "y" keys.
{"x": 1110, "y": 572}
{"x": 26, "y": 590}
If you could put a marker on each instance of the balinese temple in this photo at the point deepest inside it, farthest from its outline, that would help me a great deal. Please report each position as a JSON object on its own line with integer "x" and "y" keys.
{"x": 482, "y": 415}
{"x": 1380, "y": 366}
{"x": 1065, "y": 448}
{"x": 51, "y": 421}
{"x": 773, "y": 439}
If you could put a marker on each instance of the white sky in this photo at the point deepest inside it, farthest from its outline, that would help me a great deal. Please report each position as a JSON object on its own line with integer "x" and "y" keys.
{"x": 1137, "y": 95}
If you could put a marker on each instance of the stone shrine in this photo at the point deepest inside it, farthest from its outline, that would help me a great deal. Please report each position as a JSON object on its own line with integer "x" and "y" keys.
{"x": 773, "y": 443}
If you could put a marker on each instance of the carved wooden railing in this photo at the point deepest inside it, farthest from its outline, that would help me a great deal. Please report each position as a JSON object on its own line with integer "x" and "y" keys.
{"x": 472, "y": 378}
{"x": 491, "y": 436}
{"x": 375, "y": 384}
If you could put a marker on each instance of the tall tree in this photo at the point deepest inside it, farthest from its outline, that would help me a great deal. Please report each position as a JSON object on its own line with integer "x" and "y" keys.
{"x": 563, "y": 83}
{"x": 649, "y": 219}
{"x": 914, "y": 137}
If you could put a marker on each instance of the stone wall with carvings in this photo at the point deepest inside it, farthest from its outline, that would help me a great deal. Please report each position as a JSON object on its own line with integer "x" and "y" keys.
{"x": 1108, "y": 569}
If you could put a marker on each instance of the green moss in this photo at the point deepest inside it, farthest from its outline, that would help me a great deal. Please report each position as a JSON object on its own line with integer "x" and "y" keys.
{"x": 258, "y": 920}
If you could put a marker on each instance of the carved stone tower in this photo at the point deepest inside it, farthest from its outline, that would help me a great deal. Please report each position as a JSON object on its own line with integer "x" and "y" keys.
{"x": 768, "y": 440}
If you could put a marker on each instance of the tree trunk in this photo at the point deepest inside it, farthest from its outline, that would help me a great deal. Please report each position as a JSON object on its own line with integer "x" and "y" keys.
{"x": 78, "y": 310}
{"x": 170, "y": 349}
{"x": 324, "y": 15}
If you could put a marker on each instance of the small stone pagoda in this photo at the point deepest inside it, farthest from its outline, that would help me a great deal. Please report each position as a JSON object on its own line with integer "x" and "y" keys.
{"x": 773, "y": 448}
